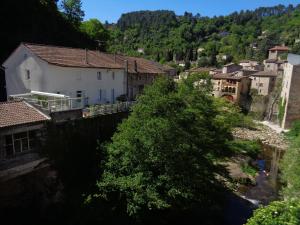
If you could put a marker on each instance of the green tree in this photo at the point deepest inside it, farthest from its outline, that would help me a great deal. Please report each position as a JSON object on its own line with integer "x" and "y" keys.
{"x": 72, "y": 11}
{"x": 163, "y": 155}
{"x": 96, "y": 31}
{"x": 277, "y": 213}
{"x": 291, "y": 164}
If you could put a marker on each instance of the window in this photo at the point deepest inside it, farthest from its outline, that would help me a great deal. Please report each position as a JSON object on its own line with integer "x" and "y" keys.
{"x": 99, "y": 75}
{"x": 113, "y": 75}
{"x": 113, "y": 95}
{"x": 19, "y": 143}
{"x": 27, "y": 74}
{"x": 261, "y": 84}
{"x": 78, "y": 96}
{"x": 100, "y": 95}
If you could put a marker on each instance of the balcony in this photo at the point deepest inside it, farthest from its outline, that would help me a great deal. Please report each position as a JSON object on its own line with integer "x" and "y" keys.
{"x": 50, "y": 102}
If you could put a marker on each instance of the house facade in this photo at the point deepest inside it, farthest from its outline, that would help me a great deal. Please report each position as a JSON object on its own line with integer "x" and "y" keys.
{"x": 263, "y": 82}
{"x": 290, "y": 101}
{"x": 96, "y": 77}
{"x": 232, "y": 87}
{"x": 21, "y": 128}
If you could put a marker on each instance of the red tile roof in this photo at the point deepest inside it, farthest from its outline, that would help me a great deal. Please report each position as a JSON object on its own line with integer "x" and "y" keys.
{"x": 229, "y": 76}
{"x": 279, "y": 48}
{"x": 83, "y": 58}
{"x": 19, "y": 113}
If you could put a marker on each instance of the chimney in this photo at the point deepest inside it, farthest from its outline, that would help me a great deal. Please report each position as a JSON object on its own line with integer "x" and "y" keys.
{"x": 86, "y": 57}
{"x": 135, "y": 66}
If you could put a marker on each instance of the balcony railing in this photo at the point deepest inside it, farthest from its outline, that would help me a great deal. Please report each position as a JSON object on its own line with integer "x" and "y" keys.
{"x": 56, "y": 105}
{"x": 96, "y": 110}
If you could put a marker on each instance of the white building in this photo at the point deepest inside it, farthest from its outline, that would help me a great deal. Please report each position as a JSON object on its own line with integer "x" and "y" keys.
{"x": 78, "y": 73}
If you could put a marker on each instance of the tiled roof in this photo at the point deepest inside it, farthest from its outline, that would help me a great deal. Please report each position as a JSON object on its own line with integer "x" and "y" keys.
{"x": 279, "y": 48}
{"x": 83, "y": 58}
{"x": 230, "y": 76}
{"x": 19, "y": 113}
{"x": 265, "y": 74}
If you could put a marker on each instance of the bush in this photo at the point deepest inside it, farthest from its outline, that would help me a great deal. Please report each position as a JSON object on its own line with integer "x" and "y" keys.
{"x": 277, "y": 213}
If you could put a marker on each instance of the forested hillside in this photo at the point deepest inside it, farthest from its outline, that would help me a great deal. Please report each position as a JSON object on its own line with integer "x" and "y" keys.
{"x": 241, "y": 35}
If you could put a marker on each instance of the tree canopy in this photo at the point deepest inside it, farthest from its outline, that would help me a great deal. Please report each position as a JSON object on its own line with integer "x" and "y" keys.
{"x": 72, "y": 11}
{"x": 163, "y": 156}
{"x": 240, "y": 35}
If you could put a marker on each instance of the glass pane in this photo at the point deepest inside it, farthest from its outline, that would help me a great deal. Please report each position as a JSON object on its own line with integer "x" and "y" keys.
{"x": 32, "y": 144}
{"x": 20, "y": 135}
{"x": 9, "y": 151}
{"x": 8, "y": 139}
{"x": 31, "y": 134}
{"x": 24, "y": 145}
{"x": 17, "y": 146}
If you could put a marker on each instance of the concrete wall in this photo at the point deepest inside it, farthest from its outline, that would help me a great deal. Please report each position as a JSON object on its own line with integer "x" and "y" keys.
{"x": 65, "y": 80}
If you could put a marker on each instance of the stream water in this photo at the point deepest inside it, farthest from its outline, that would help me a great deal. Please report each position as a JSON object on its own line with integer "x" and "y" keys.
{"x": 240, "y": 207}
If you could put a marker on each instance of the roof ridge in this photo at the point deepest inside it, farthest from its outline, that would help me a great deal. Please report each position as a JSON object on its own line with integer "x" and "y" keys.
{"x": 56, "y": 46}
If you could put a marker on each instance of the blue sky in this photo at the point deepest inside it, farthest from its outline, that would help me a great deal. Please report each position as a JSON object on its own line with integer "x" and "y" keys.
{"x": 111, "y": 10}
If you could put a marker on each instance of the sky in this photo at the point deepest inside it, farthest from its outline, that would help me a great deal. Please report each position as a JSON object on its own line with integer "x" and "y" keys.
{"x": 111, "y": 10}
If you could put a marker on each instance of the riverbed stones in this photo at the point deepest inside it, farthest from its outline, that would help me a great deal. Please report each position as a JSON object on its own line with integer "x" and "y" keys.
{"x": 263, "y": 134}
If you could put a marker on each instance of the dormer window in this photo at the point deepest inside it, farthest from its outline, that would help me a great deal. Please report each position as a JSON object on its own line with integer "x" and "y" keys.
{"x": 99, "y": 75}
{"x": 27, "y": 74}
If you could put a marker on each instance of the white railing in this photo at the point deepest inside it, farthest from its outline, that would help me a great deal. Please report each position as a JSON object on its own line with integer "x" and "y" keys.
{"x": 96, "y": 110}
{"x": 57, "y": 105}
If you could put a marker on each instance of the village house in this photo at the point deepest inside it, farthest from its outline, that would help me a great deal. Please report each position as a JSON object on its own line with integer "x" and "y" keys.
{"x": 93, "y": 76}
{"x": 232, "y": 87}
{"x": 275, "y": 62}
{"x": 290, "y": 101}
{"x": 251, "y": 65}
{"x": 21, "y": 131}
{"x": 263, "y": 82}
{"x": 230, "y": 68}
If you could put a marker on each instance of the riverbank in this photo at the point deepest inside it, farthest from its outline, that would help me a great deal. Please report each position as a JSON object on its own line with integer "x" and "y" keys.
{"x": 262, "y": 133}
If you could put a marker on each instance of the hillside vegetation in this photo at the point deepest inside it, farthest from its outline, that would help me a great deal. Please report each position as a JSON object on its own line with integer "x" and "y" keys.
{"x": 241, "y": 35}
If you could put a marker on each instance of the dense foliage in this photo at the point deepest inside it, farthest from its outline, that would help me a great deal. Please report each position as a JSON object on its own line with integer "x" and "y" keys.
{"x": 72, "y": 11}
{"x": 241, "y": 35}
{"x": 291, "y": 164}
{"x": 277, "y": 213}
{"x": 164, "y": 155}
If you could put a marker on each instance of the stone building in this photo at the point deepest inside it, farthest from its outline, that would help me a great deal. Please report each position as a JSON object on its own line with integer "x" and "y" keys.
{"x": 232, "y": 87}
{"x": 250, "y": 65}
{"x": 290, "y": 100}
{"x": 231, "y": 67}
{"x": 277, "y": 51}
{"x": 263, "y": 82}
{"x": 276, "y": 61}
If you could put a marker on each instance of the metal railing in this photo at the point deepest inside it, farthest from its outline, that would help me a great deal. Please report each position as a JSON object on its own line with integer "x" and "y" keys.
{"x": 96, "y": 110}
{"x": 57, "y": 105}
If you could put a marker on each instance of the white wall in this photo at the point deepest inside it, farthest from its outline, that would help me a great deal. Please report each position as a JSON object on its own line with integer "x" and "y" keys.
{"x": 65, "y": 80}
{"x": 68, "y": 81}
{"x": 15, "y": 72}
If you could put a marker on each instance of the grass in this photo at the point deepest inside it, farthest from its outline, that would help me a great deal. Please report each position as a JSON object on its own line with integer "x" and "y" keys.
{"x": 250, "y": 170}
